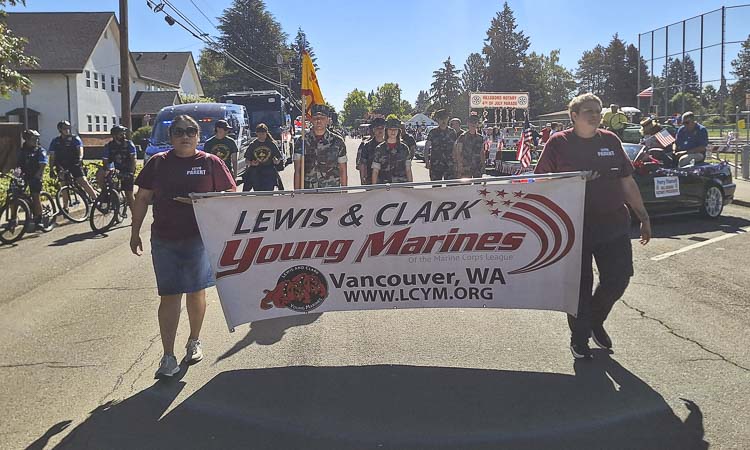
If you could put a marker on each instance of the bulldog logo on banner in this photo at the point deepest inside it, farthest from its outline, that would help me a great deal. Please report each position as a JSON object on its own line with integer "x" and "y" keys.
{"x": 505, "y": 243}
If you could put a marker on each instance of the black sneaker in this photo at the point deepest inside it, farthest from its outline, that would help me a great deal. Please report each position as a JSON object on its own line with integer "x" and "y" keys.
{"x": 581, "y": 351}
{"x": 601, "y": 338}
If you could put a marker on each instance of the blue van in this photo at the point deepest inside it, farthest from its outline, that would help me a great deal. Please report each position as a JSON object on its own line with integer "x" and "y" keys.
{"x": 206, "y": 114}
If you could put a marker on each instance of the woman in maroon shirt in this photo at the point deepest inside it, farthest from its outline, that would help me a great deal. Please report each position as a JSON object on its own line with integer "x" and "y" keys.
{"x": 179, "y": 257}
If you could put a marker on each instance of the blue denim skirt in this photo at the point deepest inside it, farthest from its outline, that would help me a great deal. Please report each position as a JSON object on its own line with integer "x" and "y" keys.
{"x": 181, "y": 266}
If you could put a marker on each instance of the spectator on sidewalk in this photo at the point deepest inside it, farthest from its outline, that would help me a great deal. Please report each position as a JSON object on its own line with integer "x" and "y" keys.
{"x": 606, "y": 223}
{"x": 179, "y": 257}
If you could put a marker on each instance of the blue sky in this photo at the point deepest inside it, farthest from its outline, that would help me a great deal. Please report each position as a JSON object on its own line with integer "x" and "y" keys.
{"x": 360, "y": 46}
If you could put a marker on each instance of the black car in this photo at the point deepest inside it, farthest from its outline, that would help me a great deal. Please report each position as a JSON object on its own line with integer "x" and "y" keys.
{"x": 668, "y": 189}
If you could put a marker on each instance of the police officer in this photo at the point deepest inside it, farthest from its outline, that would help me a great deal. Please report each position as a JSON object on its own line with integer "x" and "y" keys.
{"x": 261, "y": 156}
{"x": 439, "y": 148}
{"x": 469, "y": 151}
{"x": 325, "y": 154}
{"x": 392, "y": 163}
{"x": 366, "y": 150}
{"x": 66, "y": 152}
{"x": 119, "y": 154}
{"x": 32, "y": 159}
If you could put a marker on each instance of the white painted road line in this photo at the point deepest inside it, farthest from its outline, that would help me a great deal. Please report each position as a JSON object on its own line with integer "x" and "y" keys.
{"x": 700, "y": 244}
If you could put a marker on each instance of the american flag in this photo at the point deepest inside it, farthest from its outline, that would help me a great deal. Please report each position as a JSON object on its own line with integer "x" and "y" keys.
{"x": 647, "y": 93}
{"x": 525, "y": 146}
{"x": 664, "y": 138}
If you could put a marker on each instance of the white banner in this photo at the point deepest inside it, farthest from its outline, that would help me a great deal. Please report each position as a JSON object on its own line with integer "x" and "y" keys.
{"x": 510, "y": 243}
{"x": 519, "y": 100}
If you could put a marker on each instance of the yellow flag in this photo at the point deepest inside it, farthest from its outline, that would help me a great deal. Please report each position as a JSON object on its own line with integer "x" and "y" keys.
{"x": 310, "y": 86}
{"x": 741, "y": 124}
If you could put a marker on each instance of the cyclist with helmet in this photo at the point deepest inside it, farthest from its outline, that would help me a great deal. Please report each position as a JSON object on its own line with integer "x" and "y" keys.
{"x": 119, "y": 154}
{"x": 66, "y": 151}
{"x": 32, "y": 159}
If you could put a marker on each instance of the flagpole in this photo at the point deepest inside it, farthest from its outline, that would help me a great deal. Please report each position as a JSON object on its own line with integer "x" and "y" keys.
{"x": 304, "y": 115}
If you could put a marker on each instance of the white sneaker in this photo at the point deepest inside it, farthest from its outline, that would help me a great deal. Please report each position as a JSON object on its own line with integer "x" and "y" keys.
{"x": 167, "y": 367}
{"x": 194, "y": 353}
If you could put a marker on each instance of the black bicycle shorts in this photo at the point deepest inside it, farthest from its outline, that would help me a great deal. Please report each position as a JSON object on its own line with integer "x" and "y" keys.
{"x": 127, "y": 180}
{"x": 75, "y": 169}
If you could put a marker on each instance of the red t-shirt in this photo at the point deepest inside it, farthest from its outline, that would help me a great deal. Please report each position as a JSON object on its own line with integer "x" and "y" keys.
{"x": 171, "y": 176}
{"x": 605, "y": 213}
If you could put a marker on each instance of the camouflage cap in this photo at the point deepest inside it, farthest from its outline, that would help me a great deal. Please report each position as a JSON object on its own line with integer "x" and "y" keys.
{"x": 473, "y": 118}
{"x": 377, "y": 122}
{"x": 392, "y": 122}
{"x": 319, "y": 110}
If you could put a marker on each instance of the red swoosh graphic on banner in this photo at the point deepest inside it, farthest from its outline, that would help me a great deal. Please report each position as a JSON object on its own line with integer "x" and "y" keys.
{"x": 554, "y": 227}
{"x": 523, "y": 220}
{"x": 569, "y": 228}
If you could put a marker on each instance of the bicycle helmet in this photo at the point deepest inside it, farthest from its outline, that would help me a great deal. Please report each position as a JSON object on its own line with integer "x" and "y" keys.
{"x": 28, "y": 134}
{"x": 63, "y": 123}
{"x": 117, "y": 129}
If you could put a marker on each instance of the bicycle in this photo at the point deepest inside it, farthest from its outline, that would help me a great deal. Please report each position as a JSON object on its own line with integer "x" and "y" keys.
{"x": 110, "y": 205}
{"x": 16, "y": 212}
{"x": 72, "y": 199}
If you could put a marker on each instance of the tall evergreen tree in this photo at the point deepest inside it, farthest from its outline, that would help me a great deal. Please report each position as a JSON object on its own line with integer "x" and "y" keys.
{"x": 446, "y": 87}
{"x": 504, "y": 50}
{"x": 592, "y": 73}
{"x": 422, "y": 104}
{"x": 252, "y": 34}
{"x": 631, "y": 64}
{"x": 474, "y": 74}
{"x": 550, "y": 85}
{"x": 741, "y": 72}
{"x": 616, "y": 84}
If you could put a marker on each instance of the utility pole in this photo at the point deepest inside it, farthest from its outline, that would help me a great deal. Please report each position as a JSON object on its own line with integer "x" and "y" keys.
{"x": 124, "y": 66}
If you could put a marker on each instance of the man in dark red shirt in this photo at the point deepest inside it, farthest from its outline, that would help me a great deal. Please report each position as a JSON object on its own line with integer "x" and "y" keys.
{"x": 606, "y": 223}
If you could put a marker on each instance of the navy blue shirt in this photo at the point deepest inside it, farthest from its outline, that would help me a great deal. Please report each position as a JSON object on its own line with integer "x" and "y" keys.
{"x": 65, "y": 149}
{"x": 119, "y": 154}
{"x": 686, "y": 139}
{"x": 30, "y": 158}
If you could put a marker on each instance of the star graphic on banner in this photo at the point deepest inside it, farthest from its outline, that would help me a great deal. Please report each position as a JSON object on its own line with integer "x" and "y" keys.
{"x": 501, "y": 193}
{"x": 490, "y": 202}
{"x": 518, "y": 194}
{"x": 495, "y": 212}
{"x": 484, "y": 192}
{"x": 507, "y": 203}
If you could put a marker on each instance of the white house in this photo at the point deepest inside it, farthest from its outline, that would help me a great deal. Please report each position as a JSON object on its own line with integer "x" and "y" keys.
{"x": 78, "y": 77}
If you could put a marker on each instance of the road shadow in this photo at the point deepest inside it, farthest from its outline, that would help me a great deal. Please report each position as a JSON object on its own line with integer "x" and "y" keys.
{"x": 269, "y": 332}
{"x": 675, "y": 226}
{"x": 85, "y": 236}
{"x": 393, "y": 407}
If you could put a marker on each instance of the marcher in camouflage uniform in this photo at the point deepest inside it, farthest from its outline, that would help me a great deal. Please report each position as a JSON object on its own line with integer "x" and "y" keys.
{"x": 409, "y": 140}
{"x": 392, "y": 163}
{"x": 325, "y": 154}
{"x": 366, "y": 151}
{"x": 439, "y": 148}
{"x": 469, "y": 151}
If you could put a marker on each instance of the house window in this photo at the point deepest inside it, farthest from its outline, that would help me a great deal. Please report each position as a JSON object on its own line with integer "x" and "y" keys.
{"x": 112, "y": 82}
{"x": 96, "y": 81}
{"x": 88, "y": 78}
{"x": 119, "y": 84}
{"x": 104, "y": 123}
{"x": 114, "y": 120}
{"x": 90, "y": 123}
{"x": 98, "y": 127}
{"x": 104, "y": 82}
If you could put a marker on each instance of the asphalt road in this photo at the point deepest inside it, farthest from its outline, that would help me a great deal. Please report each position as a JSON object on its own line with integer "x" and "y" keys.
{"x": 80, "y": 345}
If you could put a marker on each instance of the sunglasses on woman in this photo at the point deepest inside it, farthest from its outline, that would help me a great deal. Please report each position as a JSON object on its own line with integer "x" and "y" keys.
{"x": 189, "y": 132}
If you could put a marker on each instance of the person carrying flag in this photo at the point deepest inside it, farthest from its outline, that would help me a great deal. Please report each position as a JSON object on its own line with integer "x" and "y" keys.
{"x": 324, "y": 154}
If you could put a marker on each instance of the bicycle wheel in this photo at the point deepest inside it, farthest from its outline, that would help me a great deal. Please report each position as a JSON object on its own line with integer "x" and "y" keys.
{"x": 15, "y": 217}
{"x": 49, "y": 211}
{"x": 104, "y": 212}
{"x": 73, "y": 204}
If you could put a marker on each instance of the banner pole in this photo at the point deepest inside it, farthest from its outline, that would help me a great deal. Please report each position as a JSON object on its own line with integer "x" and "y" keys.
{"x": 302, "y": 158}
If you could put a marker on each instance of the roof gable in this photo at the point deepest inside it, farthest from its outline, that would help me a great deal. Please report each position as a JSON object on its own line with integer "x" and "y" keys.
{"x": 166, "y": 67}
{"x": 61, "y": 41}
{"x": 150, "y": 102}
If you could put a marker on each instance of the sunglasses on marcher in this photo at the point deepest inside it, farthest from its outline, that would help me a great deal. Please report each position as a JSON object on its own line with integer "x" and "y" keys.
{"x": 189, "y": 132}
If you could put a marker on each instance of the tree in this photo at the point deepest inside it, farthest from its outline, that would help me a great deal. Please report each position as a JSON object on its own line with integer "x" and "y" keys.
{"x": 252, "y": 34}
{"x": 710, "y": 100}
{"x": 193, "y": 98}
{"x": 684, "y": 101}
{"x": 423, "y": 102}
{"x": 591, "y": 73}
{"x": 387, "y": 100}
{"x": 295, "y": 61}
{"x": 550, "y": 85}
{"x": 212, "y": 69}
{"x": 474, "y": 73}
{"x": 356, "y": 107}
{"x": 406, "y": 110}
{"x": 12, "y": 58}
{"x": 741, "y": 72}
{"x": 446, "y": 87}
{"x": 632, "y": 65}
{"x": 504, "y": 50}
